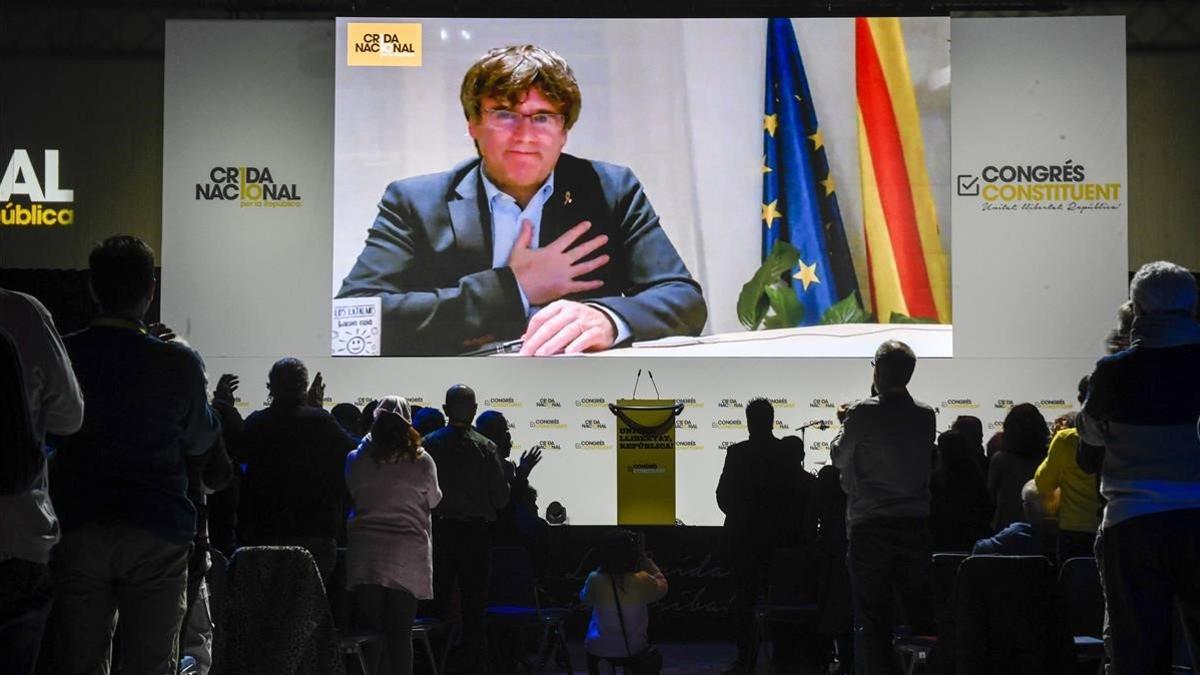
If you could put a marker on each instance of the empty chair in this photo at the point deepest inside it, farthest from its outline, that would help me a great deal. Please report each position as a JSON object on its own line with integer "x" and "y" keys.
{"x": 923, "y": 650}
{"x": 1004, "y": 616}
{"x": 791, "y": 596}
{"x": 1081, "y": 609}
{"x": 514, "y": 604}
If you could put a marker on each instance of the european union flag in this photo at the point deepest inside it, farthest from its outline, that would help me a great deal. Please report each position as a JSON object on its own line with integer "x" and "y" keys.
{"x": 799, "y": 201}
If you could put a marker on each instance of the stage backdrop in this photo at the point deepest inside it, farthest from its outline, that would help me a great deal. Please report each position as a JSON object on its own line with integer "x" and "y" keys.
{"x": 1036, "y": 288}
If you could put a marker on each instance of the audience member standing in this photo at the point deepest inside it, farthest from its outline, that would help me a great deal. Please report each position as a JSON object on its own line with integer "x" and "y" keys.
{"x": 428, "y": 420}
{"x": 825, "y": 528}
{"x": 347, "y": 415}
{"x": 960, "y": 511}
{"x": 971, "y": 428}
{"x": 1023, "y": 449}
{"x": 207, "y": 474}
{"x": 223, "y": 504}
{"x": 513, "y": 526}
{"x": 38, "y": 394}
{"x": 389, "y": 558}
{"x": 120, "y": 483}
{"x": 473, "y": 489}
{"x": 1143, "y": 406}
{"x": 494, "y": 426}
{"x": 294, "y": 451}
{"x": 763, "y": 491}
{"x": 1078, "y": 503}
{"x": 884, "y": 452}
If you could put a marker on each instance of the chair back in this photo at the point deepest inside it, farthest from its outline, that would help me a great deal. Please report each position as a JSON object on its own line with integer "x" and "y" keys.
{"x": 943, "y": 570}
{"x": 274, "y": 617}
{"x": 1004, "y": 616}
{"x": 217, "y": 573}
{"x": 511, "y": 580}
{"x": 1081, "y": 599}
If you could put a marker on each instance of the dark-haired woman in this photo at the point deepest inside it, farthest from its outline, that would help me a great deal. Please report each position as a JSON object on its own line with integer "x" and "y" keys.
{"x": 1026, "y": 436}
{"x": 959, "y": 512}
{"x": 389, "y": 560}
{"x": 618, "y": 590}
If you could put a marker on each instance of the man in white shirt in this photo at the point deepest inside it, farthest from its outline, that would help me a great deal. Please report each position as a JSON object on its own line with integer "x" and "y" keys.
{"x": 28, "y": 527}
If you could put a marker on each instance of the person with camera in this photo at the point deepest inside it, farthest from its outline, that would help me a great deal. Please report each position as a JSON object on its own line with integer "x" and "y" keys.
{"x": 624, "y": 582}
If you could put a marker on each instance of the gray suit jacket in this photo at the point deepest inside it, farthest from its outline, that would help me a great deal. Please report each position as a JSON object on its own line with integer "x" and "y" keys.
{"x": 428, "y": 256}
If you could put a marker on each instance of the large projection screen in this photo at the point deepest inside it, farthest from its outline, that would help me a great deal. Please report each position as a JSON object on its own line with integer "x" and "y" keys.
{"x": 1035, "y": 290}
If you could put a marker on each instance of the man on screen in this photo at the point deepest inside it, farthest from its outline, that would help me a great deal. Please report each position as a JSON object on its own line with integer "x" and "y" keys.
{"x": 523, "y": 242}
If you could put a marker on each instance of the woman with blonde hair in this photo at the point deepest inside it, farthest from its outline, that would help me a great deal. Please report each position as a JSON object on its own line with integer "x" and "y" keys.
{"x": 389, "y": 560}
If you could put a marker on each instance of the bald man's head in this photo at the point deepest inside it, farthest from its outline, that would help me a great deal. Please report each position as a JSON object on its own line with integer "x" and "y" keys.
{"x": 460, "y": 404}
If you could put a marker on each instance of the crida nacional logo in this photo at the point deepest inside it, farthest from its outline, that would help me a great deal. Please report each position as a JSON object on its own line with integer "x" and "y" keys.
{"x": 681, "y": 423}
{"x": 383, "y": 44}
{"x": 1062, "y": 186}
{"x": 547, "y": 403}
{"x": 33, "y": 199}
{"x": 249, "y": 186}
{"x": 821, "y": 403}
{"x": 548, "y": 445}
{"x": 593, "y": 424}
{"x": 729, "y": 403}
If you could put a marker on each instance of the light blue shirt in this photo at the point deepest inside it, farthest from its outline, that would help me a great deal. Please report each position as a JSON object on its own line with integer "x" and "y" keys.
{"x": 507, "y": 215}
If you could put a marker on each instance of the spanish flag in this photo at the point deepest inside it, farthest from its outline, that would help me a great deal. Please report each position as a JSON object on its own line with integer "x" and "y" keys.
{"x": 905, "y": 260}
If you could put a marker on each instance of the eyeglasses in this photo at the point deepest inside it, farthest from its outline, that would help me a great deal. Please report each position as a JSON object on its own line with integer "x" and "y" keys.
{"x": 511, "y": 119}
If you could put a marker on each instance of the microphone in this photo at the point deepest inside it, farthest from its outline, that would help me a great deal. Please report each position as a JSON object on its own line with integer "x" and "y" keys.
{"x": 820, "y": 424}
{"x": 651, "y": 374}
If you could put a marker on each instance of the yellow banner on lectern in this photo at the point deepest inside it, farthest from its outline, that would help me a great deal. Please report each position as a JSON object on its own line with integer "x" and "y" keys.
{"x": 646, "y": 463}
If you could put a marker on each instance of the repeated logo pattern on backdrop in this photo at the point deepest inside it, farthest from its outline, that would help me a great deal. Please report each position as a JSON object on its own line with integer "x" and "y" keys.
{"x": 713, "y": 427}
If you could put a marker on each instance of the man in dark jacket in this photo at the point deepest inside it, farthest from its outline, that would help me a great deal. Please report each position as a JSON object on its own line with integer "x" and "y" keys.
{"x": 120, "y": 484}
{"x": 473, "y": 491}
{"x": 294, "y": 451}
{"x": 763, "y": 491}
{"x": 884, "y": 451}
{"x": 524, "y": 241}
